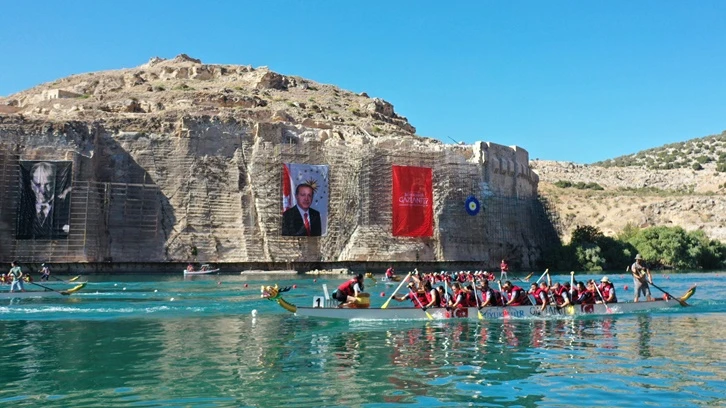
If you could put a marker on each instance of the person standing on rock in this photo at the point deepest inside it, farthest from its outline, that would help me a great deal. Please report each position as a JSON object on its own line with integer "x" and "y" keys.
{"x": 641, "y": 277}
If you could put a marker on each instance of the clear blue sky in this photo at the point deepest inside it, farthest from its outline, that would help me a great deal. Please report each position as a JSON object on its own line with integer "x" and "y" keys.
{"x": 566, "y": 80}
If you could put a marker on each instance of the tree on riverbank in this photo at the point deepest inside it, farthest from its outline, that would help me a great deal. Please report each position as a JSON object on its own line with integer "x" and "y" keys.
{"x": 663, "y": 247}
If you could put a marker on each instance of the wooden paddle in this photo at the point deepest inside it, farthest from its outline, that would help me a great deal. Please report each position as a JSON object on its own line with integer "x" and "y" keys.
{"x": 683, "y": 303}
{"x": 385, "y": 305}
{"x": 69, "y": 280}
{"x": 62, "y": 292}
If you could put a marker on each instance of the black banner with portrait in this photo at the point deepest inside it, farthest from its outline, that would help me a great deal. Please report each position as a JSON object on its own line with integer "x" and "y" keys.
{"x": 44, "y": 209}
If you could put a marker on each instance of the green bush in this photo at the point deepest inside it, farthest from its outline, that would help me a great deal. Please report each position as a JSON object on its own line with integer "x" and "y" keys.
{"x": 697, "y": 166}
{"x": 589, "y": 249}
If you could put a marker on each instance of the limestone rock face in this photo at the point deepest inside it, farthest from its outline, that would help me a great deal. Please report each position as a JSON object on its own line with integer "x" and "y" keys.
{"x": 637, "y": 196}
{"x": 177, "y": 160}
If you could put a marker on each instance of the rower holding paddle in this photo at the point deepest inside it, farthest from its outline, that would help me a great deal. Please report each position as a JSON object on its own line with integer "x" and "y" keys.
{"x": 348, "y": 292}
{"x": 641, "y": 278}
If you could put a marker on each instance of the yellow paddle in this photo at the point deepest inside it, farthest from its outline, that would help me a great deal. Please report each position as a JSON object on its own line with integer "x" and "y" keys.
{"x": 385, "y": 305}
{"x": 62, "y": 292}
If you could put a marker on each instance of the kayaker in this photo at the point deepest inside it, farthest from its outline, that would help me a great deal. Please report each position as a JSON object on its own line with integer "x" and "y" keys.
{"x": 641, "y": 278}
{"x": 16, "y": 274}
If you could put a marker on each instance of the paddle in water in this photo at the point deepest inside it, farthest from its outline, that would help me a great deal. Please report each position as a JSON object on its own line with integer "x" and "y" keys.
{"x": 62, "y": 292}
{"x": 682, "y": 302}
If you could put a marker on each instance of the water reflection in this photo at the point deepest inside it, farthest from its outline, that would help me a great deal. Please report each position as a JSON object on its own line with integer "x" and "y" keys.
{"x": 135, "y": 347}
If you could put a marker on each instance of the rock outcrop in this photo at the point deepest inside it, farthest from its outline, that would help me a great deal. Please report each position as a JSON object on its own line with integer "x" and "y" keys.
{"x": 178, "y": 160}
{"x": 637, "y": 196}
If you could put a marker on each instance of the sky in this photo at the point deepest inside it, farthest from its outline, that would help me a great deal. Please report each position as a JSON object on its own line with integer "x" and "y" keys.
{"x": 579, "y": 81}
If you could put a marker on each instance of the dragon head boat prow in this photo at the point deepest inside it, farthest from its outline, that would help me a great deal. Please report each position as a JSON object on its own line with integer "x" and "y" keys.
{"x": 274, "y": 293}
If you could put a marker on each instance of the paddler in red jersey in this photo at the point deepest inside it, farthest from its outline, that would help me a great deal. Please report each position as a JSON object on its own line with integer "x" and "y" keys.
{"x": 460, "y": 299}
{"x": 418, "y": 298}
{"x": 488, "y": 296}
{"x": 347, "y": 293}
{"x": 586, "y": 294}
{"x": 561, "y": 294}
{"x": 608, "y": 290}
{"x": 516, "y": 296}
{"x": 542, "y": 294}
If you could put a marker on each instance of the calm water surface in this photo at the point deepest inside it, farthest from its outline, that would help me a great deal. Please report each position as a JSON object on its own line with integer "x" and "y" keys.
{"x": 170, "y": 341}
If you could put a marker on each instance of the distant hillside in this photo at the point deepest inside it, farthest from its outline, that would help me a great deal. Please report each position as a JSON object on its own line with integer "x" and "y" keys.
{"x": 680, "y": 184}
{"x": 691, "y": 154}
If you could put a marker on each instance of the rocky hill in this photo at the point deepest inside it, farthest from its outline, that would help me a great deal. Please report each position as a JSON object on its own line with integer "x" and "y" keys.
{"x": 177, "y": 160}
{"x": 679, "y": 184}
{"x": 184, "y": 85}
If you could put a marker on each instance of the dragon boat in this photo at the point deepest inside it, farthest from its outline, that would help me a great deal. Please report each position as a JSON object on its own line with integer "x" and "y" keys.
{"x": 323, "y": 308}
{"x": 42, "y": 292}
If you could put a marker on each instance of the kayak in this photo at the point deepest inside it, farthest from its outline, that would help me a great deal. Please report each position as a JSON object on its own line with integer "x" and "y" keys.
{"x": 323, "y": 308}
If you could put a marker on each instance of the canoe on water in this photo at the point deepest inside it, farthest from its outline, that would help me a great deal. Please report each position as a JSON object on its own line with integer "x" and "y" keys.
{"x": 206, "y": 269}
{"x": 323, "y": 309}
{"x": 34, "y": 291}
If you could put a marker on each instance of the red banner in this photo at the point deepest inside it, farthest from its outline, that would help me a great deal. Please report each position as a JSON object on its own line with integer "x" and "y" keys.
{"x": 413, "y": 202}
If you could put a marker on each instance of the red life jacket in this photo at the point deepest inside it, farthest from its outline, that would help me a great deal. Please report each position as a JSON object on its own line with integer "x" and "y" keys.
{"x": 606, "y": 290}
{"x": 521, "y": 296}
{"x": 347, "y": 287}
{"x": 558, "y": 295}
{"x": 538, "y": 296}
{"x": 464, "y": 298}
{"x": 470, "y": 298}
{"x": 587, "y": 297}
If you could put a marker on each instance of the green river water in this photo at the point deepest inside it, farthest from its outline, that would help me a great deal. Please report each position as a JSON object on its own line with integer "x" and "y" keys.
{"x": 211, "y": 341}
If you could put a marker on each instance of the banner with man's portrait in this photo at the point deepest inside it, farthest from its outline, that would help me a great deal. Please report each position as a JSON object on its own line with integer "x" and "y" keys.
{"x": 304, "y": 200}
{"x": 413, "y": 201}
{"x": 45, "y": 200}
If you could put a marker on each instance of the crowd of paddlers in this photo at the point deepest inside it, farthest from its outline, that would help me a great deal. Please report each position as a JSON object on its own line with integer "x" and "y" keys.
{"x": 474, "y": 289}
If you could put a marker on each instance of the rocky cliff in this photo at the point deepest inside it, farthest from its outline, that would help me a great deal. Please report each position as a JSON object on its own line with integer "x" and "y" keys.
{"x": 637, "y": 194}
{"x": 180, "y": 160}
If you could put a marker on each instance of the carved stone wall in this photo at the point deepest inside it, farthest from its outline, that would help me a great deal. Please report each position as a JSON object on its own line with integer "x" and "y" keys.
{"x": 209, "y": 188}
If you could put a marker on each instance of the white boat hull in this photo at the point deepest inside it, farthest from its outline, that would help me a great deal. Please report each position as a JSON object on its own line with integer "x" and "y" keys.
{"x": 200, "y": 272}
{"x": 31, "y": 294}
{"x": 488, "y": 313}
